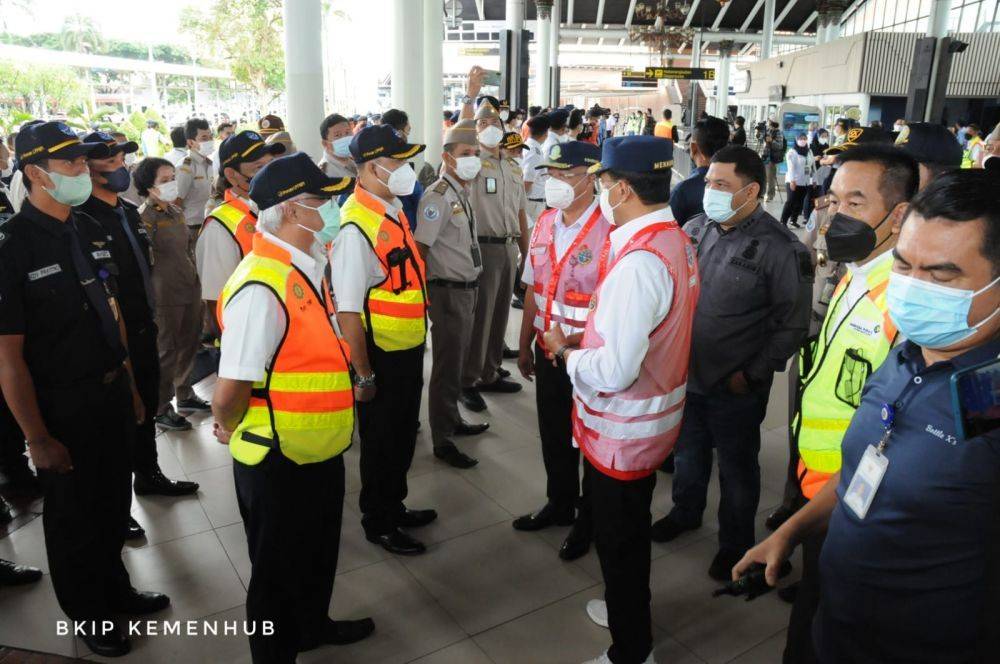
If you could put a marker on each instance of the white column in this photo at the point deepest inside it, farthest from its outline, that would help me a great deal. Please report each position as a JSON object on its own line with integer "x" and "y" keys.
{"x": 543, "y": 35}
{"x": 515, "y": 23}
{"x": 433, "y": 79}
{"x": 938, "y": 24}
{"x": 304, "y": 73}
{"x": 768, "y": 30}
{"x": 554, "y": 52}
{"x": 695, "y": 63}
{"x": 407, "y": 64}
{"x": 722, "y": 80}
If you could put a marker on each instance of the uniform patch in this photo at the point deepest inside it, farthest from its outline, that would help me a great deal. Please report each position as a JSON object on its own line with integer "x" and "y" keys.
{"x": 456, "y": 208}
{"x": 35, "y": 275}
{"x": 689, "y": 251}
{"x": 297, "y": 291}
{"x": 867, "y": 330}
{"x": 585, "y": 255}
{"x": 249, "y": 227}
{"x": 103, "y": 254}
{"x": 432, "y": 213}
{"x": 441, "y": 187}
{"x": 383, "y": 236}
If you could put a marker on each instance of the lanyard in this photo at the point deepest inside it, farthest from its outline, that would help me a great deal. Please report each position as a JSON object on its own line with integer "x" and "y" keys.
{"x": 140, "y": 258}
{"x": 888, "y": 421}
{"x": 467, "y": 210}
{"x": 558, "y": 265}
{"x": 98, "y": 296}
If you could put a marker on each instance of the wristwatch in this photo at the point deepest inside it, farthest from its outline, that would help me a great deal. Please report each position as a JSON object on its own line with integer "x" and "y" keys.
{"x": 466, "y": 99}
{"x": 364, "y": 381}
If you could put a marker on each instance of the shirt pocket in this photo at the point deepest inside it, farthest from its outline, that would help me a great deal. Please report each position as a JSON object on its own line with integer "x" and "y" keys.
{"x": 56, "y": 299}
{"x": 854, "y": 371}
{"x": 741, "y": 288}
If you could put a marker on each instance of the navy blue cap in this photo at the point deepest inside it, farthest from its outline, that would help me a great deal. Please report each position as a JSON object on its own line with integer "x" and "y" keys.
{"x": 53, "y": 140}
{"x": 114, "y": 146}
{"x": 245, "y": 146}
{"x": 636, "y": 154}
{"x": 558, "y": 117}
{"x": 930, "y": 144}
{"x": 294, "y": 175}
{"x": 377, "y": 141}
{"x": 572, "y": 154}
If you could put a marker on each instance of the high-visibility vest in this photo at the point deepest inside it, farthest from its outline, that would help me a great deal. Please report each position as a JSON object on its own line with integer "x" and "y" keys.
{"x": 664, "y": 129}
{"x": 842, "y": 360}
{"x": 563, "y": 287}
{"x": 967, "y": 160}
{"x": 304, "y": 406}
{"x": 237, "y": 218}
{"x": 396, "y": 309}
{"x": 628, "y": 434}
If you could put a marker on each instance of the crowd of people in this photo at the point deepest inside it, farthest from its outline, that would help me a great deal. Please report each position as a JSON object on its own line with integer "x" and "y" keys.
{"x": 655, "y": 321}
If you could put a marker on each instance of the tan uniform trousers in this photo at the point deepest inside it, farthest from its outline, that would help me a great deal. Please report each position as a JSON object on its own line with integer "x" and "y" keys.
{"x": 178, "y": 340}
{"x": 496, "y": 286}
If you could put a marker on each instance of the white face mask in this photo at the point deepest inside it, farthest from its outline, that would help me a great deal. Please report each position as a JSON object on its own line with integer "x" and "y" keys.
{"x": 467, "y": 168}
{"x": 490, "y": 137}
{"x": 823, "y": 140}
{"x": 401, "y": 181}
{"x": 607, "y": 209}
{"x": 130, "y": 159}
{"x": 559, "y": 194}
{"x": 167, "y": 191}
{"x": 504, "y": 115}
{"x": 206, "y": 148}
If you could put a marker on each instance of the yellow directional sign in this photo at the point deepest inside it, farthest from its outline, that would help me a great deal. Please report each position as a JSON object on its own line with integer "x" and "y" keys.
{"x": 681, "y": 73}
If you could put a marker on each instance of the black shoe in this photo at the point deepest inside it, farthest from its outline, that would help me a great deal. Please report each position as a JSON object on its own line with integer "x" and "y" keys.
{"x": 722, "y": 565}
{"x": 517, "y": 302}
{"x": 788, "y": 593}
{"x": 171, "y": 421}
{"x": 193, "y": 404}
{"x": 501, "y": 385}
{"x": 134, "y": 530}
{"x": 112, "y": 644}
{"x": 396, "y": 541}
{"x": 339, "y": 633}
{"x": 577, "y": 543}
{"x": 12, "y": 574}
{"x": 415, "y": 518}
{"x": 156, "y": 483}
{"x": 6, "y": 512}
{"x": 778, "y": 517}
{"x": 454, "y": 458}
{"x": 510, "y": 354}
{"x": 470, "y": 429}
{"x": 666, "y": 529}
{"x": 503, "y": 373}
{"x": 545, "y": 517}
{"x": 472, "y": 399}
{"x": 140, "y": 603}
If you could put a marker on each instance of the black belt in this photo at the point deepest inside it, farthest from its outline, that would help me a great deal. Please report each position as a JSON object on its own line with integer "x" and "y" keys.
{"x": 496, "y": 240}
{"x": 537, "y": 200}
{"x": 458, "y": 285}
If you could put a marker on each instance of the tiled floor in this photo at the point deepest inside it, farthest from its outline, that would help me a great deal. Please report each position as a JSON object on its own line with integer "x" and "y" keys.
{"x": 482, "y": 593}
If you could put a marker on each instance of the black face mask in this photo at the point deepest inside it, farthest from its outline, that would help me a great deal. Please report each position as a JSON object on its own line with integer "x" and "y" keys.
{"x": 118, "y": 179}
{"x": 849, "y": 240}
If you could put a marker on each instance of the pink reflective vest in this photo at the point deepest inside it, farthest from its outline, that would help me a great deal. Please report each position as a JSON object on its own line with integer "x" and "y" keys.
{"x": 563, "y": 286}
{"x": 628, "y": 434}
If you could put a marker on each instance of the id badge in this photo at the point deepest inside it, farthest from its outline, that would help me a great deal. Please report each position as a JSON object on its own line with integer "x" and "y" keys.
{"x": 477, "y": 256}
{"x": 867, "y": 478}
{"x": 491, "y": 185}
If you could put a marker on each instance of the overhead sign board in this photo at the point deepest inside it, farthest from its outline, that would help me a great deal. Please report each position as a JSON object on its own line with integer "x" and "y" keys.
{"x": 637, "y": 79}
{"x": 680, "y": 73}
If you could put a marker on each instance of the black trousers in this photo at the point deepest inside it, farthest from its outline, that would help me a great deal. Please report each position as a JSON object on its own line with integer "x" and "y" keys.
{"x": 292, "y": 515}
{"x": 388, "y": 431}
{"x": 621, "y": 532}
{"x": 554, "y": 398}
{"x": 86, "y": 509}
{"x": 792, "y": 497}
{"x": 146, "y": 367}
{"x": 793, "y": 203}
{"x": 13, "y": 463}
{"x": 799, "y": 641}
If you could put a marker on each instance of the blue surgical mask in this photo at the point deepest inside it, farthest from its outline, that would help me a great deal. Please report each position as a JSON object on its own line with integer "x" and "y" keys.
{"x": 329, "y": 212}
{"x": 118, "y": 180}
{"x": 931, "y": 315}
{"x": 342, "y": 146}
{"x": 718, "y": 204}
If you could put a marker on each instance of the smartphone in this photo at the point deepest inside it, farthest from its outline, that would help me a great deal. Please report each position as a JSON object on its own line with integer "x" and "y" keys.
{"x": 975, "y": 398}
{"x": 492, "y": 78}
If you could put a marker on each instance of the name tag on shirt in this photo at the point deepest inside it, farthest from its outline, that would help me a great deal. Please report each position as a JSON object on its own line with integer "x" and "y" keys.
{"x": 867, "y": 478}
{"x": 491, "y": 185}
{"x": 103, "y": 254}
{"x": 44, "y": 272}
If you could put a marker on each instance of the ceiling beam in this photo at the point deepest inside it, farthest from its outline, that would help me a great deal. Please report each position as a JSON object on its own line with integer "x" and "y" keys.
{"x": 720, "y": 15}
{"x": 850, "y": 10}
{"x": 618, "y": 32}
{"x": 630, "y": 14}
{"x": 600, "y": 13}
{"x": 808, "y": 22}
{"x": 784, "y": 13}
{"x": 690, "y": 16}
{"x": 569, "y": 11}
{"x": 751, "y": 15}
{"x": 479, "y": 8}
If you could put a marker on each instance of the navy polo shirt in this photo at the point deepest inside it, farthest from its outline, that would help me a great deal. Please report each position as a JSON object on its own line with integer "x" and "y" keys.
{"x": 909, "y": 582}
{"x": 685, "y": 199}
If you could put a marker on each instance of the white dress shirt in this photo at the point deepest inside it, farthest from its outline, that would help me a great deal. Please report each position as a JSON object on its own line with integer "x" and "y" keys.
{"x": 216, "y": 256}
{"x": 563, "y": 237}
{"x": 176, "y": 156}
{"x": 254, "y": 321}
{"x": 532, "y": 175}
{"x": 857, "y": 288}
{"x": 635, "y": 297}
{"x": 354, "y": 267}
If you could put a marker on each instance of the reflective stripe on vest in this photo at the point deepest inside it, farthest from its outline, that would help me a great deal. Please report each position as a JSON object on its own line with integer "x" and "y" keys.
{"x": 395, "y": 312}
{"x": 304, "y": 406}
{"x": 237, "y": 218}
{"x": 831, "y": 393}
{"x": 967, "y": 160}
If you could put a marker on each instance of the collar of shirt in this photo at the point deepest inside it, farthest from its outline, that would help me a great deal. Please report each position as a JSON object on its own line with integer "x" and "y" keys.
{"x": 455, "y": 182}
{"x": 44, "y": 221}
{"x": 578, "y": 224}
{"x": 197, "y": 157}
{"x": 620, "y": 235}
{"x": 311, "y": 264}
{"x": 912, "y": 355}
{"x": 391, "y": 209}
{"x": 861, "y": 271}
{"x": 532, "y": 143}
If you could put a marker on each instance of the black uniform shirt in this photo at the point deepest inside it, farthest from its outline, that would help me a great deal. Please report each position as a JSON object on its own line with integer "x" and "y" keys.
{"x": 6, "y": 208}
{"x": 41, "y": 298}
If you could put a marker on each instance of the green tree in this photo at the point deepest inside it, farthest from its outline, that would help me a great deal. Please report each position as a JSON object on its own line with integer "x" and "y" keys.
{"x": 245, "y": 35}
{"x": 81, "y": 35}
{"x": 39, "y": 89}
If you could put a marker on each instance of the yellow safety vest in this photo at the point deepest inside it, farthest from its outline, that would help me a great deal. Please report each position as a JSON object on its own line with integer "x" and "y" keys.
{"x": 967, "y": 160}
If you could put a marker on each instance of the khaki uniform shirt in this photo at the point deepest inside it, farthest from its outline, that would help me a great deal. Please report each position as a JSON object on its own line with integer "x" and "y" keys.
{"x": 445, "y": 226}
{"x": 497, "y": 196}
{"x": 175, "y": 278}
{"x": 335, "y": 169}
{"x": 194, "y": 185}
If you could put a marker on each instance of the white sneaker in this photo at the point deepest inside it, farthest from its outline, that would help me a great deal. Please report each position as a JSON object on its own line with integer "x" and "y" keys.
{"x": 604, "y": 659}
{"x": 597, "y": 609}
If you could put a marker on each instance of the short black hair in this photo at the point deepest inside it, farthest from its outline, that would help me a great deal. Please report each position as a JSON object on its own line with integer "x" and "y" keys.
{"x": 559, "y": 121}
{"x": 194, "y": 125}
{"x": 144, "y": 175}
{"x": 447, "y": 114}
{"x": 936, "y": 169}
{"x": 534, "y": 110}
{"x": 900, "y": 173}
{"x": 538, "y": 125}
{"x": 223, "y": 126}
{"x": 177, "y": 137}
{"x": 747, "y": 163}
{"x": 330, "y": 121}
{"x": 651, "y": 188}
{"x": 118, "y": 134}
{"x": 396, "y": 119}
{"x": 740, "y": 120}
{"x": 711, "y": 135}
{"x": 575, "y": 118}
{"x": 667, "y": 114}
{"x": 962, "y": 195}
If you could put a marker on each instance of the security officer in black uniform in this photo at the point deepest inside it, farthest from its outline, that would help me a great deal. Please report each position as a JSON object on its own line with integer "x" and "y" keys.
{"x": 65, "y": 374}
{"x": 130, "y": 251}
{"x": 753, "y": 314}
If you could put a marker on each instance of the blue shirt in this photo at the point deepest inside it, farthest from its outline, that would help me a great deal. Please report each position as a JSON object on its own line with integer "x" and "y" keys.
{"x": 910, "y": 580}
{"x": 411, "y": 203}
{"x": 685, "y": 199}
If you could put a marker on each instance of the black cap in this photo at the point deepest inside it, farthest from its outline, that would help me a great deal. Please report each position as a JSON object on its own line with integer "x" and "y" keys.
{"x": 296, "y": 174}
{"x": 243, "y": 147}
{"x": 512, "y": 141}
{"x": 860, "y": 136}
{"x": 930, "y": 144}
{"x": 558, "y": 117}
{"x": 572, "y": 154}
{"x": 636, "y": 154}
{"x": 382, "y": 141}
{"x": 113, "y": 146}
{"x": 270, "y": 124}
{"x": 53, "y": 140}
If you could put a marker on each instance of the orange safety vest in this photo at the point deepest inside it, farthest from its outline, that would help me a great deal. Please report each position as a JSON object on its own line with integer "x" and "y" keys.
{"x": 664, "y": 129}
{"x": 237, "y": 218}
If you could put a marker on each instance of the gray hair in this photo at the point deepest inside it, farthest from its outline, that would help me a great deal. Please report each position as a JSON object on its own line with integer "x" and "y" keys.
{"x": 270, "y": 219}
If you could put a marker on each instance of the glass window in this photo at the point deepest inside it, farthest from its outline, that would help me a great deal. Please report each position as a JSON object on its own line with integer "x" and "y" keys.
{"x": 967, "y": 23}
{"x": 922, "y": 24}
{"x": 912, "y": 8}
{"x": 953, "y": 17}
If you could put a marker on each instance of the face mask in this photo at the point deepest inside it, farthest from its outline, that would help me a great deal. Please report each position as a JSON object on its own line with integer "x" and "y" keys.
{"x": 607, "y": 209}
{"x": 565, "y": 138}
{"x": 823, "y": 140}
{"x": 117, "y": 180}
{"x": 490, "y": 137}
{"x": 801, "y": 144}
{"x": 206, "y": 148}
{"x": 718, "y": 204}
{"x": 504, "y": 115}
{"x": 401, "y": 181}
{"x": 70, "y": 190}
{"x": 931, "y": 315}
{"x": 342, "y": 147}
{"x": 167, "y": 191}
{"x": 559, "y": 194}
{"x": 467, "y": 168}
{"x": 849, "y": 240}
{"x": 329, "y": 212}
{"x": 130, "y": 159}
{"x": 897, "y": 127}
